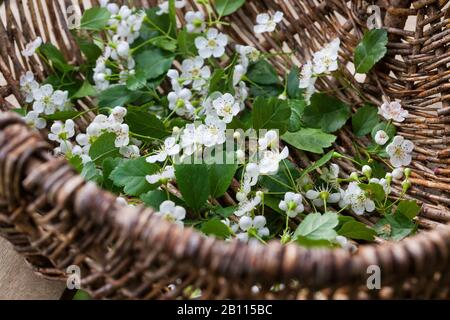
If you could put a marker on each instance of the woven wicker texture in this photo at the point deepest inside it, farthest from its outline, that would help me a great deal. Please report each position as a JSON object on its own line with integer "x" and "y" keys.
{"x": 55, "y": 219}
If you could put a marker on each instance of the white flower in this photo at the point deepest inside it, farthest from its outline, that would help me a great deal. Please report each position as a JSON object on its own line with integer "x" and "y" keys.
{"x": 193, "y": 71}
{"x": 241, "y": 94}
{"x": 191, "y": 139}
{"x": 345, "y": 244}
{"x": 195, "y": 21}
{"x": 171, "y": 212}
{"x": 400, "y": 151}
{"x": 306, "y": 75}
{"x": 382, "y": 182}
{"x": 247, "y": 206}
{"x": 28, "y": 85}
{"x": 269, "y": 141}
{"x": 164, "y": 6}
{"x": 251, "y": 176}
{"x": 366, "y": 170}
{"x": 226, "y": 107}
{"x": 122, "y": 134}
{"x": 322, "y": 195}
{"x": 397, "y": 173}
{"x": 168, "y": 173}
{"x": 61, "y": 132}
{"x": 32, "y": 119}
{"x": 213, "y": 132}
{"x": 247, "y": 54}
{"x": 393, "y": 111}
{"x": 130, "y": 151}
{"x": 269, "y": 164}
{"x": 258, "y": 223}
{"x": 325, "y": 60}
{"x": 381, "y": 137}
{"x": 31, "y": 47}
{"x": 357, "y": 199}
{"x": 179, "y": 100}
{"x": 330, "y": 174}
{"x": 43, "y": 100}
{"x": 238, "y": 72}
{"x": 117, "y": 114}
{"x": 60, "y": 99}
{"x": 170, "y": 148}
{"x": 292, "y": 204}
{"x": 265, "y": 22}
{"x": 213, "y": 45}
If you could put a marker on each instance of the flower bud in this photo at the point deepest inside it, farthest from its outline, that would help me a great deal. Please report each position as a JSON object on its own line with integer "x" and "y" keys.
{"x": 367, "y": 171}
{"x": 260, "y": 194}
{"x": 407, "y": 172}
{"x": 397, "y": 173}
{"x": 406, "y": 185}
{"x": 354, "y": 176}
{"x": 337, "y": 155}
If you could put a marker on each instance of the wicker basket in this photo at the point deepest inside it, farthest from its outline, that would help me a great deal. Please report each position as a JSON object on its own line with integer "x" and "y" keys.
{"x": 55, "y": 219}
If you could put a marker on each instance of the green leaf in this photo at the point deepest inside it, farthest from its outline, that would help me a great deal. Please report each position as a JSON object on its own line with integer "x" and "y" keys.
{"x": 267, "y": 91}
{"x": 108, "y": 165}
{"x": 326, "y": 112}
{"x": 395, "y": 227}
{"x": 76, "y": 162}
{"x": 225, "y": 212}
{"x": 103, "y": 148}
{"x": 136, "y": 81}
{"x": 220, "y": 177}
{"x": 227, "y": 7}
{"x": 166, "y": 44}
{"x": 297, "y": 109}
{"x": 364, "y": 120}
{"x": 56, "y": 57}
{"x": 217, "y": 228}
{"x": 85, "y": 90}
{"x": 154, "y": 62}
{"x": 158, "y": 22}
{"x": 90, "y": 50}
{"x": 62, "y": 115}
{"x": 193, "y": 185}
{"x": 312, "y": 140}
{"x": 386, "y": 127}
{"x": 130, "y": 174}
{"x": 293, "y": 82}
{"x": 370, "y": 50}
{"x": 318, "y": 164}
{"x": 91, "y": 173}
{"x": 318, "y": 227}
{"x": 95, "y": 19}
{"x": 186, "y": 43}
{"x": 271, "y": 113}
{"x": 313, "y": 243}
{"x": 408, "y": 208}
{"x": 281, "y": 181}
{"x": 117, "y": 96}
{"x": 154, "y": 198}
{"x": 217, "y": 82}
{"x": 374, "y": 190}
{"x": 145, "y": 123}
{"x": 357, "y": 231}
{"x": 263, "y": 73}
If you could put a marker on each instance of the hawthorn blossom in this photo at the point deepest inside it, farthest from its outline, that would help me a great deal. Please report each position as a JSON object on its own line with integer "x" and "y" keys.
{"x": 31, "y": 47}
{"x": 169, "y": 149}
{"x": 381, "y": 137}
{"x": 32, "y": 119}
{"x": 28, "y": 85}
{"x": 130, "y": 151}
{"x": 322, "y": 195}
{"x": 226, "y": 107}
{"x": 265, "y": 22}
{"x": 43, "y": 102}
{"x": 165, "y": 174}
{"x": 399, "y": 151}
{"x": 393, "y": 111}
{"x": 195, "y": 21}
{"x": 357, "y": 199}
{"x": 326, "y": 60}
{"x": 194, "y": 71}
{"x": 270, "y": 162}
{"x": 61, "y": 132}
{"x": 247, "y": 206}
{"x": 213, "y": 132}
{"x": 191, "y": 139}
{"x": 258, "y": 223}
{"x": 382, "y": 182}
{"x": 213, "y": 45}
{"x": 292, "y": 204}
{"x": 270, "y": 141}
{"x": 179, "y": 100}
{"x": 171, "y": 212}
